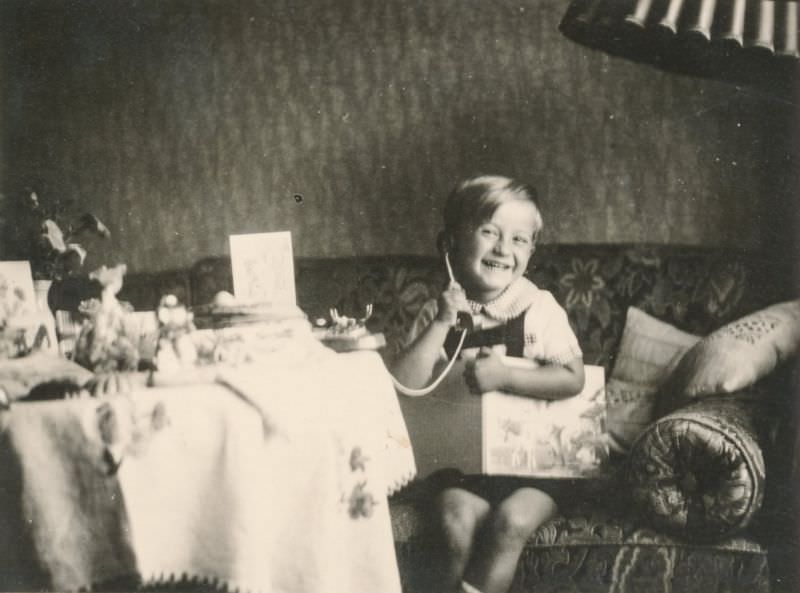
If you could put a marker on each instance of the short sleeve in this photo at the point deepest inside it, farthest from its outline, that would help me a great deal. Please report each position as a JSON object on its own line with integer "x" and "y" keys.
{"x": 423, "y": 319}
{"x": 548, "y": 334}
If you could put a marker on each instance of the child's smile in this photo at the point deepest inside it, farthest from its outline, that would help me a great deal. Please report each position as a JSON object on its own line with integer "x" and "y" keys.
{"x": 497, "y": 252}
{"x": 493, "y": 265}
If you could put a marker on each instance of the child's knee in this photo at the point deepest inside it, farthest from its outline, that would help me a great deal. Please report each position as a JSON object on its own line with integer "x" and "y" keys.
{"x": 460, "y": 513}
{"x": 518, "y": 517}
{"x": 513, "y": 526}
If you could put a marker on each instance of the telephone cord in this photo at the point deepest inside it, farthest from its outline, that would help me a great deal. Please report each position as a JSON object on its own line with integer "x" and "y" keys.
{"x": 426, "y": 390}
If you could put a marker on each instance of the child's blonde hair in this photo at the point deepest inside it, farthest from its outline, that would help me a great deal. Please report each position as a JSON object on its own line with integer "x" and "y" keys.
{"x": 475, "y": 200}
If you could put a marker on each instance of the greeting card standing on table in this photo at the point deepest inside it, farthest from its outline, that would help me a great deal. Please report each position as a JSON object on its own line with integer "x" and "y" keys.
{"x": 16, "y": 289}
{"x": 263, "y": 268}
{"x": 23, "y": 327}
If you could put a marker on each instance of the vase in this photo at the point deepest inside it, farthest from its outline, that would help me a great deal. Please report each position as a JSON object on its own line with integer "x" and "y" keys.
{"x": 41, "y": 288}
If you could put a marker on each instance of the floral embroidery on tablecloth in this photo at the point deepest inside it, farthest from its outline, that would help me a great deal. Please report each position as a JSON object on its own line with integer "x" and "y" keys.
{"x": 357, "y": 496}
{"x": 126, "y": 429}
{"x": 361, "y": 501}
{"x": 358, "y": 461}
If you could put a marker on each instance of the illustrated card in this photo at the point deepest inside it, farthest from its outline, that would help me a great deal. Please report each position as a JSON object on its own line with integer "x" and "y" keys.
{"x": 23, "y": 327}
{"x": 17, "y": 297}
{"x": 263, "y": 268}
{"x": 502, "y": 434}
{"x": 533, "y": 437}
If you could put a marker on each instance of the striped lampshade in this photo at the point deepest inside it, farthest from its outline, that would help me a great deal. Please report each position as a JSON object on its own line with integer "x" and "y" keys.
{"x": 742, "y": 41}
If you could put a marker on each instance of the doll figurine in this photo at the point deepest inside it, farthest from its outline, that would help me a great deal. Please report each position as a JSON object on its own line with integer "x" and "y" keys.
{"x": 175, "y": 345}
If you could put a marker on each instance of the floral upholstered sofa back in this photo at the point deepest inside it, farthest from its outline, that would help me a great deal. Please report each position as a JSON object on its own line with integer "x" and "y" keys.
{"x": 695, "y": 288}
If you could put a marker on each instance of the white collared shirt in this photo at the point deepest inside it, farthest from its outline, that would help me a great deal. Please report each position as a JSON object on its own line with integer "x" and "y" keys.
{"x": 549, "y": 338}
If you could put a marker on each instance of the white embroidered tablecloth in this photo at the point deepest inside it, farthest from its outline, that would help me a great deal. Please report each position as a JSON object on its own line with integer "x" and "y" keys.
{"x": 292, "y": 498}
{"x": 273, "y": 478}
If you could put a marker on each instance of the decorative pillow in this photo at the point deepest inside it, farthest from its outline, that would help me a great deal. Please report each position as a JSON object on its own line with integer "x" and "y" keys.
{"x": 630, "y": 407}
{"x": 650, "y": 349}
{"x": 648, "y": 352}
{"x": 738, "y": 354}
{"x": 699, "y": 472}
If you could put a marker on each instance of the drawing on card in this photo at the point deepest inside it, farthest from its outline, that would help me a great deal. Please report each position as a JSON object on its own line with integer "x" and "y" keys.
{"x": 17, "y": 297}
{"x": 532, "y": 437}
{"x": 263, "y": 268}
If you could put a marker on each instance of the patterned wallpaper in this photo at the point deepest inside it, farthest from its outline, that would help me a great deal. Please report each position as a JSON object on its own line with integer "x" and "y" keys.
{"x": 347, "y": 121}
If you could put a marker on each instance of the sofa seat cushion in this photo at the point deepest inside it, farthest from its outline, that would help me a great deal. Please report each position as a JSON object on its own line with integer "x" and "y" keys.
{"x": 592, "y": 549}
{"x": 699, "y": 472}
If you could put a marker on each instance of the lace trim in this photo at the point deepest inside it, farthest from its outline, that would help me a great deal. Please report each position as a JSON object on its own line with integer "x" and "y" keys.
{"x": 398, "y": 484}
{"x": 165, "y": 578}
{"x": 512, "y": 302}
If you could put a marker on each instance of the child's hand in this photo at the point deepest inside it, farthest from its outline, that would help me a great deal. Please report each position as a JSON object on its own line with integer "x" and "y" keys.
{"x": 451, "y": 301}
{"x": 486, "y": 372}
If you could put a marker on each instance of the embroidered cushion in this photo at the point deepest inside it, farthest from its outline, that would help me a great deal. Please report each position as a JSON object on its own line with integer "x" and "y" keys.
{"x": 630, "y": 407}
{"x": 699, "y": 472}
{"x": 649, "y": 350}
{"x": 736, "y": 355}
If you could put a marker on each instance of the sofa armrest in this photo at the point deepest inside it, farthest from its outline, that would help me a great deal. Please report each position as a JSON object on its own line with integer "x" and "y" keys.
{"x": 699, "y": 472}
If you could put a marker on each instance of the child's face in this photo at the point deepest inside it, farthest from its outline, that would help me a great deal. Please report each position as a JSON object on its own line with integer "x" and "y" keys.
{"x": 493, "y": 255}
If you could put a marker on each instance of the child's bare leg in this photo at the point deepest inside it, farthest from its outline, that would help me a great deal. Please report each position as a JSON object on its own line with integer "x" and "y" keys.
{"x": 461, "y": 513}
{"x": 494, "y": 560}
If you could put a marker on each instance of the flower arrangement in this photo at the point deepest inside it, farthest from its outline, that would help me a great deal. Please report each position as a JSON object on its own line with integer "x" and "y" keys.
{"x": 104, "y": 344}
{"x": 53, "y": 253}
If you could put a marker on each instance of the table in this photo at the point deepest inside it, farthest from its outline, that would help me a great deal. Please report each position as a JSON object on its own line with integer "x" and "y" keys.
{"x": 268, "y": 478}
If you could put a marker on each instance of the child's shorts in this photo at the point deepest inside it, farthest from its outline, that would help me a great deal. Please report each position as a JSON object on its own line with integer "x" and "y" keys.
{"x": 493, "y": 489}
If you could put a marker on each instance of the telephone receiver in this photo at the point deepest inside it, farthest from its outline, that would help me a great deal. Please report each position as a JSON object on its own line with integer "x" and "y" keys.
{"x": 464, "y": 320}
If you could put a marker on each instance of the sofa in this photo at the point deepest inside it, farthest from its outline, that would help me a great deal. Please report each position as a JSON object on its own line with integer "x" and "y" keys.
{"x": 604, "y": 539}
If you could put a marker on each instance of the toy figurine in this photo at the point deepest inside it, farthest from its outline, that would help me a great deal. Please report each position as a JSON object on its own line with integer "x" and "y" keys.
{"x": 352, "y": 326}
{"x": 346, "y": 334}
{"x": 175, "y": 345}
